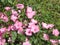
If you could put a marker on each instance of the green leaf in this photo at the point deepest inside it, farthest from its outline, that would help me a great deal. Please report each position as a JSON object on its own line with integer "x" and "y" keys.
{"x": 14, "y": 35}
{"x": 3, "y": 1}
{"x": 6, "y": 35}
{"x": 10, "y": 1}
{"x": 21, "y": 37}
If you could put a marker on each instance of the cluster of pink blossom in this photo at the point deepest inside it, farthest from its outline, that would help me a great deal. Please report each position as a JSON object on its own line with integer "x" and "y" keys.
{"x": 47, "y": 26}
{"x": 55, "y": 32}
{"x": 14, "y": 15}
{"x": 2, "y": 40}
{"x": 18, "y": 26}
{"x": 31, "y": 28}
{"x": 3, "y": 17}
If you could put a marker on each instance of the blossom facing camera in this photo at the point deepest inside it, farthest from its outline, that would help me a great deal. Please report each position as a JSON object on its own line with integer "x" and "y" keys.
{"x": 46, "y": 36}
{"x": 5, "y": 19}
{"x": 7, "y": 8}
{"x": 35, "y": 28}
{"x": 50, "y": 26}
{"x": 30, "y": 13}
{"x": 14, "y": 18}
{"x": 47, "y": 26}
{"x": 2, "y": 30}
{"x": 20, "y": 6}
{"x": 28, "y": 32}
{"x": 54, "y": 42}
{"x": 55, "y": 32}
{"x": 44, "y": 25}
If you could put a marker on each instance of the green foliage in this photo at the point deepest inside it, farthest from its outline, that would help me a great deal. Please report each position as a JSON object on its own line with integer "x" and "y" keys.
{"x": 13, "y": 35}
{"x": 21, "y": 37}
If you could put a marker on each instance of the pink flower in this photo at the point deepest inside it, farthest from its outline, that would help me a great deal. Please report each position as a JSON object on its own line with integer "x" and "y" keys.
{"x": 55, "y": 32}
{"x": 46, "y": 36}
{"x": 9, "y": 28}
{"x": 28, "y": 32}
{"x": 14, "y": 18}
{"x": 2, "y": 42}
{"x": 35, "y": 28}
{"x": 30, "y": 24}
{"x": 33, "y": 21}
{"x": 20, "y": 30}
{"x": 26, "y": 43}
{"x": 29, "y": 9}
{"x": 5, "y": 19}
{"x": 1, "y": 35}
{"x": 30, "y": 13}
{"x": 13, "y": 27}
{"x": 47, "y": 26}
{"x": 18, "y": 24}
{"x": 1, "y": 15}
{"x": 50, "y": 26}
{"x": 15, "y": 13}
{"x": 53, "y": 41}
{"x": 20, "y": 6}
{"x": 2, "y": 30}
{"x": 7, "y": 8}
{"x": 44, "y": 25}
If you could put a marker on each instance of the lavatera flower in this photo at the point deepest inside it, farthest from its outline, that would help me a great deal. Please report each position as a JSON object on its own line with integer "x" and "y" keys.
{"x": 55, "y": 32}
{"x": 26, "y": 43}
{"x": 30, "y": 13}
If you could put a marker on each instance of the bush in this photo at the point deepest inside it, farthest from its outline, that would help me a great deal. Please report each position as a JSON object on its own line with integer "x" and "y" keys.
{"x": 29, "y": 22}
